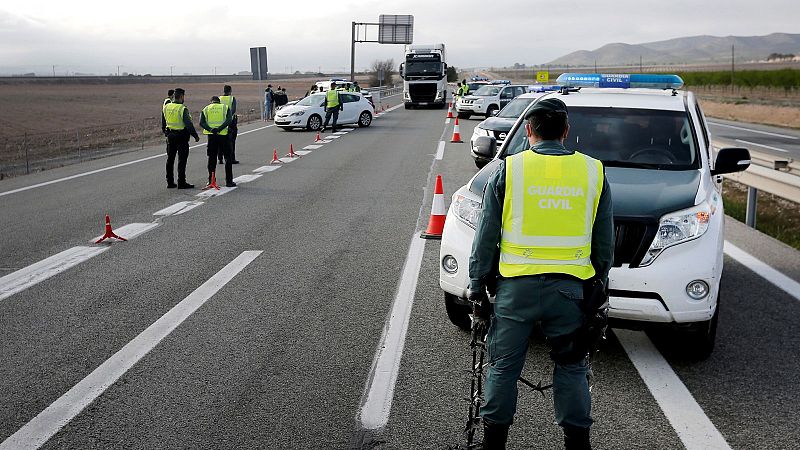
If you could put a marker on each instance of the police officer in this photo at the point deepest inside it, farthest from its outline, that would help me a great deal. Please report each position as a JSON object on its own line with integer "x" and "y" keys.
{"x": 333, "y": 105}
{"x": 233, "y": 129}
{"x": 466, "y": 87}
{"x": 176, "y": 123}
{"x": 170, "y": 93}
{"x": 215, "y": 120}
{"x": 547, "y": 228}
{"x": 356, "y": 87}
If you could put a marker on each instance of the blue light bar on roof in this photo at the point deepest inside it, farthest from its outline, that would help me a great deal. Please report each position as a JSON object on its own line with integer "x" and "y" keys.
{"x": 620, "y": 80}
{"x": 543, "y": 88}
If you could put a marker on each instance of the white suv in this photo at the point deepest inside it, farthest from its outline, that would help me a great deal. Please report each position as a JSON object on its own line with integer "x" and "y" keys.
{"x": 488, "y": 99}
{"x": 665, "y": 188}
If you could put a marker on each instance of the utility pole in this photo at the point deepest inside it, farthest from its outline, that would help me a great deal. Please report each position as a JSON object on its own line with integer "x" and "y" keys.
{"x": 54, "y": 71}
{"x": 353, "y": 54}
{"x": 595, "y": 66}
{"x": 732, "y": 66}
{"x": 640, "y": 64}
{"x": 170, "y": 72}
{"x": 117, "y": 70}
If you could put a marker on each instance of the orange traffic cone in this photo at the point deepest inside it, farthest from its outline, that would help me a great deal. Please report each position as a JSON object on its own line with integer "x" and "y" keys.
{"x": 438, "y": 213}
{"x": 109, "y": 232}
{"x": 456, "y": 133}
{"x": 318, "y": 138}
{"x": 450, "y": 111}
{"x": 292, "y": 154}
{"x": 212, "y": 183}
{"x": 275, "y": 159}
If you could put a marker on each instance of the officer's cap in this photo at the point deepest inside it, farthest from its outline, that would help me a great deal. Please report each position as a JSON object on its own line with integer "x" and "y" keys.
{"x": 547, "y": 105}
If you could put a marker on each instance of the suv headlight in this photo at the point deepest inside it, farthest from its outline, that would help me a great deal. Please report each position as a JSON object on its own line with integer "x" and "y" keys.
{"x": 677, "y": 228}
{"x": 468, "y": 210}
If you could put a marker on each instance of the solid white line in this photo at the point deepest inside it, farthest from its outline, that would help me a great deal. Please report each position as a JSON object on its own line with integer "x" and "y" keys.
{"x": 178, "y": 208}
{"x": 754, "y": 131}
{"x": 690, "y": 422}
{"x": 762, "y": 145}
{"x": 440, "y": 151}
{"x": 386, "y": 365}
{"x": 129, "y": 231}
{"x": 37, "y": 272}
{"x": 42, "y": 427}
{"x": 116, "y": 166}
{"x": 775, "y": 277}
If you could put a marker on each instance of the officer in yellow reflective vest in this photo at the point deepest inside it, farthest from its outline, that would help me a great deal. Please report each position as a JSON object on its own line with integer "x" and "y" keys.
{"x": 545, "y": 233}
{"x": 333, "y": 104}
{"x": 176, "y": 123}
{"x": 229, "y": 100}
{"x": 215, "y": 120}
{"x": 170, "y": 94}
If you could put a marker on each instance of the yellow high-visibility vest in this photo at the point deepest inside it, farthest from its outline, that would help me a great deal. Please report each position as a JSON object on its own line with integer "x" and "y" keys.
{"x": 332, "y": 98}
{"x": 215, "y": 114}
{"x": 167, "y": 100}
{"x": 548, "y": 213}
{"x": 227, "y": 100}
{"x": 173, "y": 115}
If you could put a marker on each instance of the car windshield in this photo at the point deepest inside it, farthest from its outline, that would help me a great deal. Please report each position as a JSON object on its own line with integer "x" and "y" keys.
{"x": 475, "y": 86}
{"x": 312, "y": 100}
{"x": 487, "y": 91}
{"x": 514, "y": 108}
{"x": 623, "y": 137}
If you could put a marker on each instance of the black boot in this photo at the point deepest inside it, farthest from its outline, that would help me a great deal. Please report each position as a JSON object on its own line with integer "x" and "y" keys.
{"x": 494, "y": 436}
{"x": 576, "y": 438}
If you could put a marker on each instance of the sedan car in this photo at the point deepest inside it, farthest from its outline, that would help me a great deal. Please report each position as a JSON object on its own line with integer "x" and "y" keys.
{"x": 309, "y": 112}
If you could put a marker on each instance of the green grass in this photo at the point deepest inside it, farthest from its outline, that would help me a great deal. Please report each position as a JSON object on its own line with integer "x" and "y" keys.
{"x": 775, "y": 216}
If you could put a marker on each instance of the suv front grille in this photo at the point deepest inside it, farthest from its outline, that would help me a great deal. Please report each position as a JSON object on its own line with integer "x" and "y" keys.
{"x": 632, "y": 238}
{"x": 500, "y": 135}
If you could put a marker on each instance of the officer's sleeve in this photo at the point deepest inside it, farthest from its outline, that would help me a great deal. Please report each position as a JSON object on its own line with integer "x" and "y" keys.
{"x": 486, "y": 245}
{"x": 603, "y": 234}
{"x": 233, "y": 106}
{"x": 204, "y": 122}
{"x": 187, "y": 121}
{"x": 163, "y": 123}
{"x": 228, "y": 120}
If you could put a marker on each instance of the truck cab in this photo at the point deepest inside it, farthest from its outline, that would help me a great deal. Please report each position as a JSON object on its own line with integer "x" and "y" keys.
{"x": 424, "y": 74}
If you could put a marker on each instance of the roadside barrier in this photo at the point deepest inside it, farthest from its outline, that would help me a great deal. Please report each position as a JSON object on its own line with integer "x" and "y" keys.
{"x": 438, "y": 213}
{"x": 456, "y": 133}
{"x": 109, "y": 233}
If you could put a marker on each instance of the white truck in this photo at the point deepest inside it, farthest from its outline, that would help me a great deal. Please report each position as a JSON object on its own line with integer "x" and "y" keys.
{"x": 424, "y": 74}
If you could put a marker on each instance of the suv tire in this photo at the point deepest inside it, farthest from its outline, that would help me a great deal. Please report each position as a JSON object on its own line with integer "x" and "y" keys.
{"x": 490, "y": 111}
{"x": 457, "y": 313}
{"x": 700, "y": 337}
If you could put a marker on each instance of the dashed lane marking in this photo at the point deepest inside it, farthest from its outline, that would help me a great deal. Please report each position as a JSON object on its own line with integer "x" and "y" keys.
{"x": 215, "y": 192}
{"x": 47, "y": 423}
{"x": 786, "y": 136}
{"x": 688, "y": 419}
{"x": 762, "y": 145}
{"x": 246, "y": 178}
{"x": 333, "y": 136}
{"x": 36, "y": 273}
{"x": 326, "y": 141}
{"x": 265, "y": 169}
{"x": 286, "y": 159}
{"x": 440, "y": 151}
{"x": 130, "y": 231}
{"x": 178, "y": 208}
{"x": 775, "y": 277}
{"x": 341, "y": 133}
{"x": 303, "y": 152}
{"x": 447, "y": 121}
{"x": 115, "y": 166}
{"x": 312, "y": 147}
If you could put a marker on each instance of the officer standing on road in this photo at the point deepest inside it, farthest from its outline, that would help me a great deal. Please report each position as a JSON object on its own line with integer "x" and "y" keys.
{"x": 547, "y": 227}
{"x": 176, "y": 123}
{"x": 229, "y": 100}
{"x": 333, "y": 105}
{"x": 466, "y": 87}
{"x": 215, "y": 120}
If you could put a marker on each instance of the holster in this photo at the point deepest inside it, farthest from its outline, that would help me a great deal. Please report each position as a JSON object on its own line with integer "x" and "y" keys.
{"x": 574, "y": 347}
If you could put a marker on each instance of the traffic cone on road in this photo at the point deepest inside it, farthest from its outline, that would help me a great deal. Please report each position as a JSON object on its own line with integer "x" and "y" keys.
{"x": 438, "y": 213}
{"x": 109, "y": 232}
{"x": 450, "y": 111}
{"x": 456, "y": 133}
{"x": 275, "y": 159}
{"x": 317, "y": 138}
{"x": 212, "y": 182}
{"x": 291, "y": 153}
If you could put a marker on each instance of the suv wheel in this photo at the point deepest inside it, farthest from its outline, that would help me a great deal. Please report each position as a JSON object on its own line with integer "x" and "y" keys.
{"x": 457, "y": 313}
{"x": 314, "y": 122}
{"x": 699, "y": 339}
{"x": 364, "y": 119}
{"x": 490, "y": 111}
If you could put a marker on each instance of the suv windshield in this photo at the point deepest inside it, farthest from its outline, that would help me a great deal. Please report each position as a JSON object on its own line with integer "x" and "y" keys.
{"x": 487, "y": 91}
{"x": 514, "y": 108}
{"x": 312, "y": 100}
{"x": 623, "y": 137}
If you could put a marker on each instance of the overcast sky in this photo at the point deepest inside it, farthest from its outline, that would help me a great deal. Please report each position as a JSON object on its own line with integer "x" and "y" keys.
{"x": 146, "y": 36}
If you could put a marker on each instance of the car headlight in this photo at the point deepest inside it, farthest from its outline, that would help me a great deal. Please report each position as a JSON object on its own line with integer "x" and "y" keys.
{"x": 677, "y": 228}
{"x": 299, "y": 113}
{"x": 468, "y": 210}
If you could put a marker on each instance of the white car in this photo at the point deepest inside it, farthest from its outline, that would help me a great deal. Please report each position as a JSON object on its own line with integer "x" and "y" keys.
{"x": 665, "y": 188}
{"x": 488, "y": 99}
{"x": 309, "y": 112}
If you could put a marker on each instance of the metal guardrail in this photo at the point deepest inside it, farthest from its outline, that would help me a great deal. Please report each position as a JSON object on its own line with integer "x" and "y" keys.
{"x": 768, "y": 173}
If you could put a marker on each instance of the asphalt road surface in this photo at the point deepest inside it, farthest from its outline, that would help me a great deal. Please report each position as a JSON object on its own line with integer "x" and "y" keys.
{"x": 274, "y": 316}
{"x": 782, "y": 143}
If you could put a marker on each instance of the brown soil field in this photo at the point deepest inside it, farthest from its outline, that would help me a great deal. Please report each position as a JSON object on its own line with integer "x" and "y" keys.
{"x": 782, "y": 116}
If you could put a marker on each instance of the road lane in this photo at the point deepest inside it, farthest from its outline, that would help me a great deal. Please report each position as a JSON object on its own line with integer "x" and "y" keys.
{"x": 780, "y": 142}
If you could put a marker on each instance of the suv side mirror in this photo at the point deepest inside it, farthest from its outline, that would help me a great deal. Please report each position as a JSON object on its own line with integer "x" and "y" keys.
{"x": 485, "y": 146}
{"x": 730, "y": 160}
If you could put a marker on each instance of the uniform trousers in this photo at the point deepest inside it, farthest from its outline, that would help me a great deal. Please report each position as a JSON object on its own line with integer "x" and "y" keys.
{"x": 219, "y": 146}
{"x": 177, "y": 144}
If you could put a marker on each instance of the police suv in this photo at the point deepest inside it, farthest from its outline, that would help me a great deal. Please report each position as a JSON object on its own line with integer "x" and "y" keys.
{"x": 668, "y": 213}
{"x": 488, "y": 99}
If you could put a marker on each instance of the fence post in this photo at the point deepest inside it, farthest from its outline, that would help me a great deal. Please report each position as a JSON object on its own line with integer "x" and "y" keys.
{"x": 25, "y": 146}
{"x": 78, "y": 143}
{"x": 752, "y": 206}
{"x": 144, "y": 125}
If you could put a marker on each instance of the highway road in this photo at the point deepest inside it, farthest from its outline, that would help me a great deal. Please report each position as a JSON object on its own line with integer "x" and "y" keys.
{"x": 782, "y": 143}
{"x": 300, "y": 310}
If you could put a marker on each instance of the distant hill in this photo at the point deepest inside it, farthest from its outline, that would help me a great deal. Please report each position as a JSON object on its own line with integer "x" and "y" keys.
{"x": 694, "y": 49}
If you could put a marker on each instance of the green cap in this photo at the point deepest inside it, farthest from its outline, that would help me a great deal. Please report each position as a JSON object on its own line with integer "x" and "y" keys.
{"x": 547, "y": 105}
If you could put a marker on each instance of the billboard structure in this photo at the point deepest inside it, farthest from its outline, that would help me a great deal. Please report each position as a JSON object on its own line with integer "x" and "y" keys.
{"x": 392, "y": 29}
{"x": 258, "y": 62}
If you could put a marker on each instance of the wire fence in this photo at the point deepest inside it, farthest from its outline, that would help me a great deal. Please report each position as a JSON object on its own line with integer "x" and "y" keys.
{"x": 28, "y": 153}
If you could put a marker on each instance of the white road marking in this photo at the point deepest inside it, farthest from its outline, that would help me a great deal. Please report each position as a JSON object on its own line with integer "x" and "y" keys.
{"x": 440, "y": 151}
{"x": 447, "y": 120}
{"x": 775, "y": 277}
{"x": 332, "y": 136}
{"x": 178, "y": 208}
{"x": 115, "y": 166}
{"x": 214, "y": 192}
{"x": 246, "y": 178}
{"x": 130, "y": 231}
{"x": 377, "y": 405}
{"x": 42, "y": 427}
{"x": 312, "y": 147}
{"x": 786, "y": 136}
{"x": 37, "y": 272}
{"x": 341, "y": 133}
{"x": 325, "y": 141}
{"x": 286, "y": 159}
{"x": 690, "y": 422}
{"x": 265, "y": 169}
{"x": 762, "y": 145}
{"x": 303, "y": 152}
